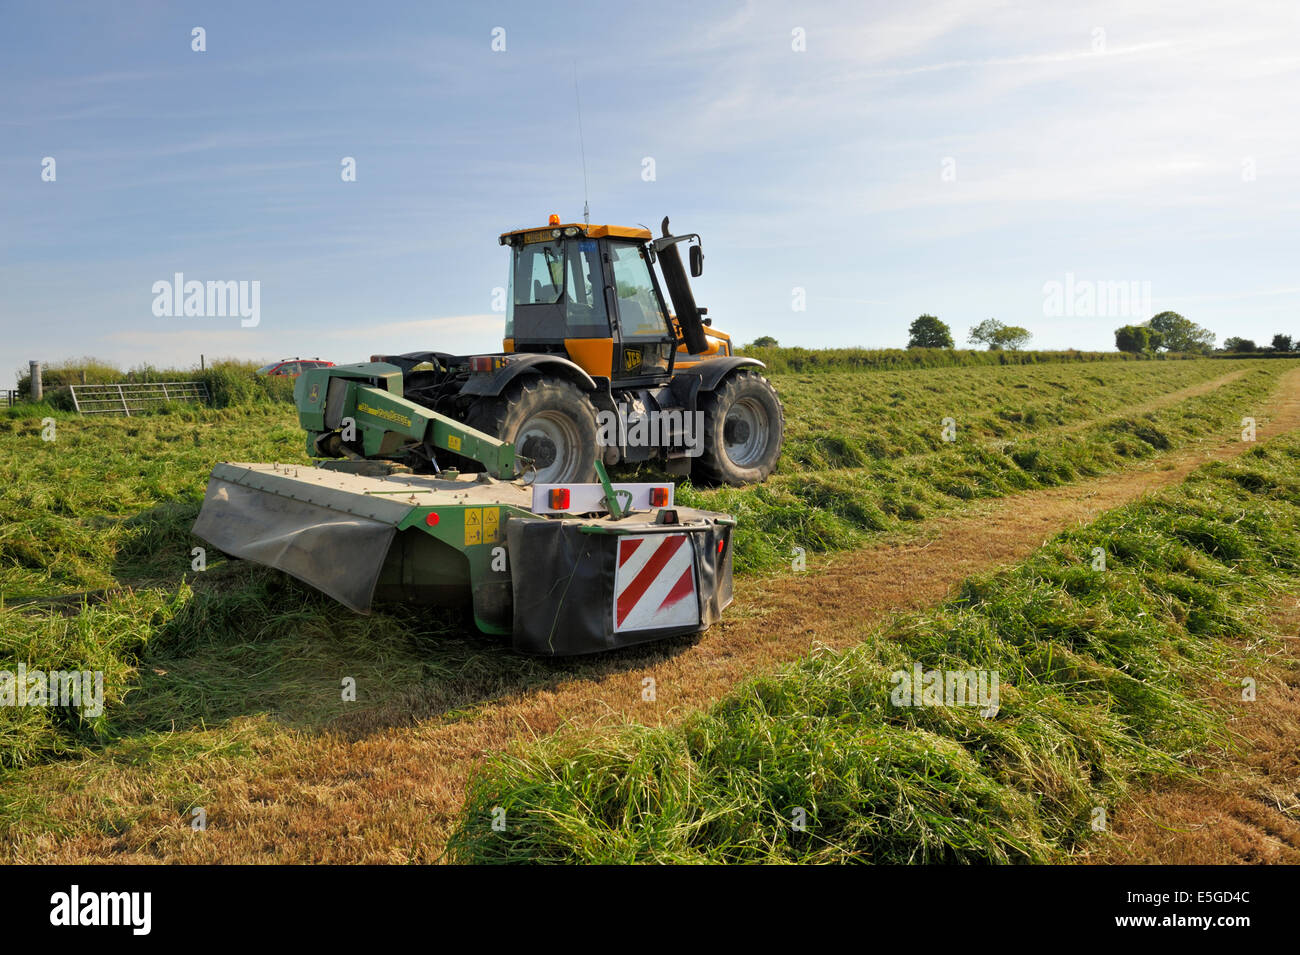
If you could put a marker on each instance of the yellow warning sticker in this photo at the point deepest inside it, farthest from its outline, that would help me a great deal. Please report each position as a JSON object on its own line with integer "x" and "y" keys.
{"x": 491, "y": 518}
{"x": 453, "y": 442}
{"x": 473, "y": 525}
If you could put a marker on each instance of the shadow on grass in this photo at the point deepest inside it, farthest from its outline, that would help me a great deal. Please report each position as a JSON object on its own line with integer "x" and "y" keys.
{"x": 253, "y": 641}
{"x": 156, "y": 545}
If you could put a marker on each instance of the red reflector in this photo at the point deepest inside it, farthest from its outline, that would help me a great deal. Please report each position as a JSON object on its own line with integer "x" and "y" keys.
{"x": 560, "y": 498}
{"x": 659, "y": 497}
{"x": 721, "y": 544}
{"x": 480, "y": 363}
{"x": 431, "y": 519}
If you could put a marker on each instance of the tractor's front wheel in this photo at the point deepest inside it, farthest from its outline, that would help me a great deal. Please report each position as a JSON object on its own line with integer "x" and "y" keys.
{"x": 744, "y": 429}
{"x": 549, "y": 421}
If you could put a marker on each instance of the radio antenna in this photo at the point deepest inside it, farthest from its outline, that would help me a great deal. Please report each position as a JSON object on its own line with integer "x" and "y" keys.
{"x": 582, "y": 146}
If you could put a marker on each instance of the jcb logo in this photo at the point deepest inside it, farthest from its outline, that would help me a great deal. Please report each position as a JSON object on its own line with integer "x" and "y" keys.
{"x": 631, "y": 358}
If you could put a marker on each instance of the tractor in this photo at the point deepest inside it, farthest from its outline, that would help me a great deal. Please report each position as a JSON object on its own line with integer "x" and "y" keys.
{"x": 481, "y": 480}
{"x": 593, "y": 366}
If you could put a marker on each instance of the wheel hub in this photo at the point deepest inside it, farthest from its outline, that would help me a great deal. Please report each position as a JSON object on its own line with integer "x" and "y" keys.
{"x": 550, "y": 441}
{"x": 745, "y": 432}
{"x": 540, "y": 449}
{"x": 736, "y": 431}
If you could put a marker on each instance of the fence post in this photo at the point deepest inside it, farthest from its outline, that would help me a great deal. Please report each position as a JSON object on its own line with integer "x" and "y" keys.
{"x": 37, "y": 386}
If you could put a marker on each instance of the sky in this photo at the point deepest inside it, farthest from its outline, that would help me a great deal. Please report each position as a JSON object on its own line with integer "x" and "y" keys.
{"x": 849, "y": 166}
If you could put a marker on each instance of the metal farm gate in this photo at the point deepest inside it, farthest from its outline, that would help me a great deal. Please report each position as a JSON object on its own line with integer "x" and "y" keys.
{"x": 126, "y": 399}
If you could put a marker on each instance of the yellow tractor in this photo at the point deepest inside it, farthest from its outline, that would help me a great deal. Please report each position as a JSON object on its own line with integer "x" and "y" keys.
{"x": 595, "y": 365}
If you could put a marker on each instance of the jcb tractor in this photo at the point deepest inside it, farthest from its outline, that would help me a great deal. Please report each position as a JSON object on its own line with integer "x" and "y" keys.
{"x": 471, "y": 480}
{"x": 593, "y": 365}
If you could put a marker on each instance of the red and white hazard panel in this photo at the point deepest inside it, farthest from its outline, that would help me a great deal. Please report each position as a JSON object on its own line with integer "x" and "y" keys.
{"x": 654, "y": 586}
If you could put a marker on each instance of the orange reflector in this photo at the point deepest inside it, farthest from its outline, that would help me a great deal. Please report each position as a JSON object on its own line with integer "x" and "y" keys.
{"x": 431, "y": 519}
{"x": 659, "y": 497}
{"x": 554, "y": 219}
{"x": 560, "y": 498}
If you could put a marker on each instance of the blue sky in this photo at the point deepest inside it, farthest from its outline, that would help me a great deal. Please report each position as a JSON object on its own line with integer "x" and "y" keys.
{"x": 914, "y": 157}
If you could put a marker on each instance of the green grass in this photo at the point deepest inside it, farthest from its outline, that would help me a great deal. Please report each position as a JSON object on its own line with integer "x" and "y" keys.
{"x": 100, "y": 519}
{"x": 865, "y": 453}
{"x": 848, "y": 419}
{"x": 782, "y": 359}
{"x": 1101, "y": 676}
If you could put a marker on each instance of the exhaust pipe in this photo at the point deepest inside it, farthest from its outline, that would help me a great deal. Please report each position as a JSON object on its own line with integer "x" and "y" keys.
{"x": 679, "y": 290}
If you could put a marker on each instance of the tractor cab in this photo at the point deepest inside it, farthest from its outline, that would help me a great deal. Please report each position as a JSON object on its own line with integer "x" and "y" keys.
{"x": 591, "y": 293}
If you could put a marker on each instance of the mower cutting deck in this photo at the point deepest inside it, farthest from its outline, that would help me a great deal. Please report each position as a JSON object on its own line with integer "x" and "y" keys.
{"x": 563, "y": 569}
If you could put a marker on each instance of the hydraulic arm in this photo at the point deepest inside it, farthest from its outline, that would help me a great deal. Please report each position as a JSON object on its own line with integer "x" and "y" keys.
{"x": 359, "y": 411}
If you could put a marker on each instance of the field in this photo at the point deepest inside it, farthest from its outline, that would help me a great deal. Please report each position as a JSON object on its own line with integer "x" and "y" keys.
{"x": 223, "y": 685}
{"x": 1105, "y": 670}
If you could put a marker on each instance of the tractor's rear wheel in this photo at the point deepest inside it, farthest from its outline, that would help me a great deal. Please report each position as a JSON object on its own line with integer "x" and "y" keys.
{"x": 744, "y": 429}
{"x": 549, "y": 421}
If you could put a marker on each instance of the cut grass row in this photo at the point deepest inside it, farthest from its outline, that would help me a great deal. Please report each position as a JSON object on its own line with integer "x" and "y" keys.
{"x": 1098, "y": 671}
{"x": 838, "y": 420}
{"x": 109, "y": 506}
{"x": 827, "y": 508}
{"x": 781, "y": 359}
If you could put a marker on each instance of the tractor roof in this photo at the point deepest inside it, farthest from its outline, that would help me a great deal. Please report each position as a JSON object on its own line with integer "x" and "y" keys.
{"x": 592, "y": 231}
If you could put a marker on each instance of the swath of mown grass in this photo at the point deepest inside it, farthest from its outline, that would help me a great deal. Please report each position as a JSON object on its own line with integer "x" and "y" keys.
{"x": 829, "y": 360}
{"x": 108, "y": 508}
{"x": 1098, "y": 675}
{"x": 823, "y": 509}
{"x": 848, "y": 419}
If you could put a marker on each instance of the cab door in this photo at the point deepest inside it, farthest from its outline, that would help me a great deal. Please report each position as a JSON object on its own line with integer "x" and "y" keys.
{"x": 643, "y": 338}
{"x": 588, "y": 339}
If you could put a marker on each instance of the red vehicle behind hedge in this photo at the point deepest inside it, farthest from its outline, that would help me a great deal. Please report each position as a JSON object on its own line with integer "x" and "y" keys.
{"x": 293, "y": 367}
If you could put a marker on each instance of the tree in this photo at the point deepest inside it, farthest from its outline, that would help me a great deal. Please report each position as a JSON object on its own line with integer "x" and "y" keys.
{"x": 1235, "y": 344}
{"x": 1281, "y": 343}
{"x": 928, "y": 332}
{"x": 1179, "y": 334}
{"x": 1134, "y": 339}
{"x": 986, "y": 333}
{"x": 1014, "y": 337}
{"x": 763, "y": 341}
{"x": 997, "y": 336}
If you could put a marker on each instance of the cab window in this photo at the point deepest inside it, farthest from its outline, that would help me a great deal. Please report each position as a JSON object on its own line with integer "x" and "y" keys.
{"x": 638, "y": 305}
{"x": 565, "y": 273}
{"x": 586, "y": 288}
{"x": 538, "y": 275}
